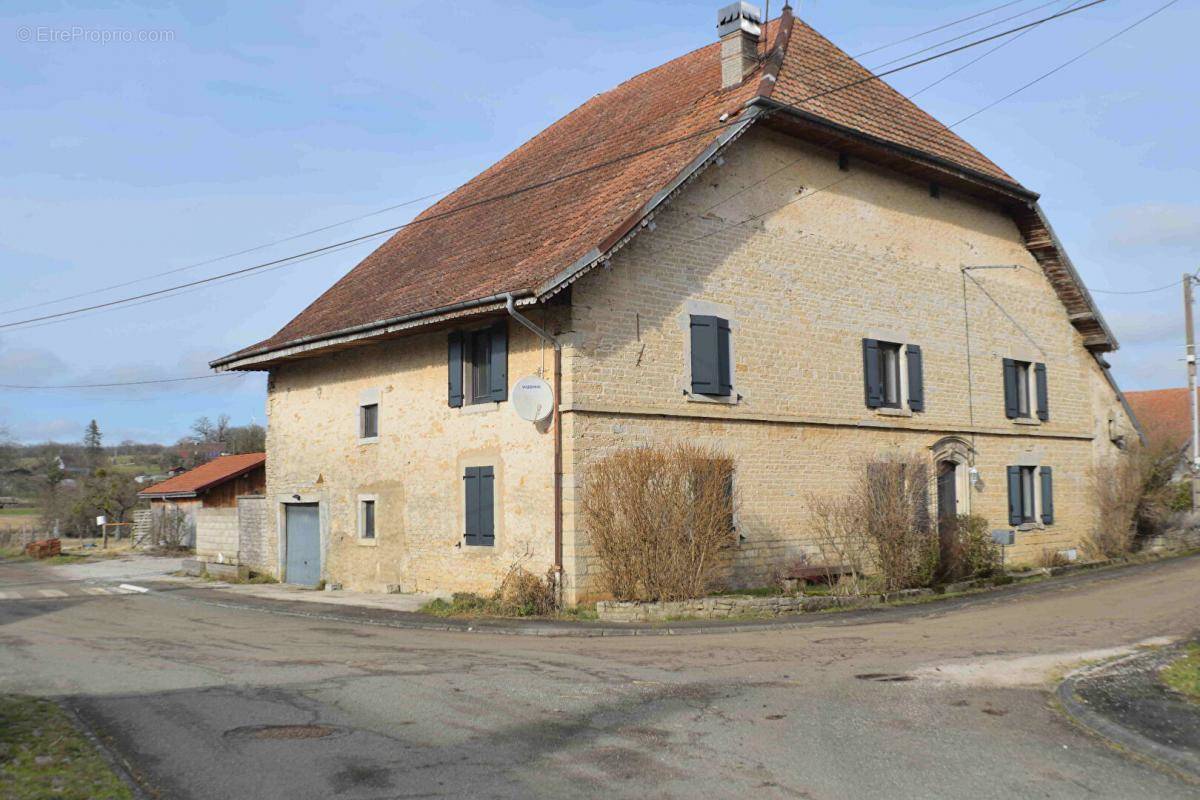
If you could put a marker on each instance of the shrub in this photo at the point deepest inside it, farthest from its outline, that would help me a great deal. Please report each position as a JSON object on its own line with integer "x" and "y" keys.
{"x": 882, "y": 525}
{"x": 969, "y": 552}
{"x": 660, "y": 520}
{"x": 1133, "y": 497}
{"x": 1050, "y": 558}
{"x": 171, "y": 529}
{"x": 523, "y": 594}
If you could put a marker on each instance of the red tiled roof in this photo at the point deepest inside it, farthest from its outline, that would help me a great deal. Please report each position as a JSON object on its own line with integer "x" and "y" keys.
{"x": 207, "y": 475}
{"x": 470, "y": 246}
{"x": 1164, "y": 415}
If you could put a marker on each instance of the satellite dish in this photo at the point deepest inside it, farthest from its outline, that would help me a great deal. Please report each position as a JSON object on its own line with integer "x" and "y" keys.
{"x": 532, "y": 399}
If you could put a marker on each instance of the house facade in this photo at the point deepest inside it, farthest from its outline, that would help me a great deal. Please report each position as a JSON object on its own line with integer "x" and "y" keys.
{"x": 754, "y": 247}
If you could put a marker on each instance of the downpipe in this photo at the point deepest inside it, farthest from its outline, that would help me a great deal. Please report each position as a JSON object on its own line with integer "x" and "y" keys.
{"x": 511, "y": 306}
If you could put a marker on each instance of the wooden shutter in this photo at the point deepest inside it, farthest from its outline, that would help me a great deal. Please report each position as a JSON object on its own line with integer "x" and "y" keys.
{"x": 471, "y": 484}
{"x": 872, "y": 377}
{"x": 487, "y": 506}
{"x": 454, "y": 367}
{"x": 1047, "y": 496}
{"x": 724, "y": 367}
{"x": 1014, "y": 496}
{"x": 1012, "y": 406}
{"x": 916, "y": 379}
{"x": 1043, "y": 393}
{"x": 705, "y": 358}
{"x": 498, "y": 373}
{"x": 480, "y": 493}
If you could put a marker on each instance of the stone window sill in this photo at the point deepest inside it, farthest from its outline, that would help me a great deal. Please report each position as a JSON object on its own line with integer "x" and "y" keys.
{"x": 479, "y": 408}
{"x": 369, "y": 440}
{"x": 368, "y": 542}
{"x": 1026, "y": 421}
{"x": 730, "y": 400}
{"x": 1031, "y": 526}
{"x": 884, "y": 411}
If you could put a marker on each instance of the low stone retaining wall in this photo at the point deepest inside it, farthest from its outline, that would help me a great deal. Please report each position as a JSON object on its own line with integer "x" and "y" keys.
{"x": 702, "y": 608}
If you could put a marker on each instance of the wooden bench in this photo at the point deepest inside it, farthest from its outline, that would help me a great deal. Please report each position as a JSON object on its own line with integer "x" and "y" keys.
{"x": 801, "y": 576}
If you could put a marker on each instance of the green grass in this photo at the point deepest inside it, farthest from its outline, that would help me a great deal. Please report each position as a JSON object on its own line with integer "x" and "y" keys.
{"x": 13, "y": 552}
{"x": 1183, "y": 674}
{"x": 18, "y": 512}
{"x": 44, "y": 757}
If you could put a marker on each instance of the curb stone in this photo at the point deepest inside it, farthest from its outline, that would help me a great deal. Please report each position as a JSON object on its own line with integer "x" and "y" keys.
{"x": 1181, "y": 763}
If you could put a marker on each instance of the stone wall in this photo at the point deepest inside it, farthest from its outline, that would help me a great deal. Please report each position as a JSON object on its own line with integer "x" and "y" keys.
{"x": 871, "y": 256}
{"x": 256, "y": 549}
{"x": 217, "y": 534}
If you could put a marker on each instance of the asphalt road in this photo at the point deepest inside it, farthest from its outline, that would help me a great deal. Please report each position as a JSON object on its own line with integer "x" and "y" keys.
{"x": 211, "y": 702}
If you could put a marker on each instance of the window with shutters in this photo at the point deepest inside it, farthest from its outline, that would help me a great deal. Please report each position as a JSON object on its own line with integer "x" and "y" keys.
{"x": 478, "y": 366}
{"x": 1025, "y": 390}
{"x": 711, "y": 356}
{"x": 893, "y": 375}
{"x": 1030, "y": 495}
{"x": 479, "y": 491}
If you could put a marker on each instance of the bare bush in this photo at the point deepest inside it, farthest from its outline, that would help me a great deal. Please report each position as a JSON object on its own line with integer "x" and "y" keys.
{"x": 660, "y": 520}
{"x": 171, "y": 529}
{"x": 881, "y": 526}
{"x": 1133, "y": 497}
{"x": 523, "y": 594}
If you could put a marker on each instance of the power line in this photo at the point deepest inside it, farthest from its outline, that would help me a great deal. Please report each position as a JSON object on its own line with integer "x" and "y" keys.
{"x": 532, "y": 186}
{"x": 1070, "y": 61}
{"x": 502, "y": 170}
{"x": 121, "y": 383}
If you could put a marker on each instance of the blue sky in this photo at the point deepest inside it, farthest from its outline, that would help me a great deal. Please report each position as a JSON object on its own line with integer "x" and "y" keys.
{"x": 243, "y": 123}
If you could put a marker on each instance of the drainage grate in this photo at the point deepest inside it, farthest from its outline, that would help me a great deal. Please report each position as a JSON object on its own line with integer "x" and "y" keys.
{"x": 884, "y": 677}
{"x": 282, "y": 732}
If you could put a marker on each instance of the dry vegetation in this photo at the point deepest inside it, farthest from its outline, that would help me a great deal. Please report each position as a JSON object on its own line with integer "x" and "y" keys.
{"x": 661, "y": 521}
{"x": 1134, "y": 496}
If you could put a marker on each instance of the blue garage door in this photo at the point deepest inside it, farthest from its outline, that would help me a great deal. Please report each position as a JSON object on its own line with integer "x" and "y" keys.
{"x": 303, "y": 531}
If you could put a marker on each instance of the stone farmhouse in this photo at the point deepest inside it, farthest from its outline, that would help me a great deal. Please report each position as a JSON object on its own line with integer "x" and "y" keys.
{"x": 757, "y": 247}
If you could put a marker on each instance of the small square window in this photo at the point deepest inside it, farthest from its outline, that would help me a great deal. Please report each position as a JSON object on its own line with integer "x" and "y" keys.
{"x": 367, "y": 519}
{"x": 368, "y": 421}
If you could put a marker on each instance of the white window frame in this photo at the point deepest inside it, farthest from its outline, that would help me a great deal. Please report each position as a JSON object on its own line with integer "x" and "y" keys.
{"x": 368, "y": 397}
{"x": 360, "y": 509}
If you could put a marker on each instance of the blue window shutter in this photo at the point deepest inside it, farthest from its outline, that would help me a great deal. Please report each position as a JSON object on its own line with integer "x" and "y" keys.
{"x": 872, "y": 379}
{"x": 1012, "y": 406}
{"x": 916, "y": 379}
{"x": 1043, "y": 392}
{"x": 724, "y": 353}
{"x": 1014, "y": 496}
{"x": 471, "y": 483}
{"x": 498, "y": 374}
{"x": 487, "y": 505}
{"x": 1047, "y": 496}
{"x": 705, "y": 358}
{"x": 454, "y": 366}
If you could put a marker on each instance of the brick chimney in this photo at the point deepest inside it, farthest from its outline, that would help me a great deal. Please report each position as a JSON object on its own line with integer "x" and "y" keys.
{"x": 739, "y": 26}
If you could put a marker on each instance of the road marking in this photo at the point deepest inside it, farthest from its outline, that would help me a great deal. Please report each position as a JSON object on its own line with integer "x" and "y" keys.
{"x": 96, "y": 590}
{"x": 10, "y": 595}
{"x": 129, "y": 587}
{"x": 51, "y": 593}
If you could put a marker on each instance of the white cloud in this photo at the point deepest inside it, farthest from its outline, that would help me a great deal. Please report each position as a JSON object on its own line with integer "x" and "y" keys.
{"x": 1155, "y": 225}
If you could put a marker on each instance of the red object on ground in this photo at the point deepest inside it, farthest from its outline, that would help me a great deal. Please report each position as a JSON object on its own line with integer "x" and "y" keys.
{"x": 44, "y": 548}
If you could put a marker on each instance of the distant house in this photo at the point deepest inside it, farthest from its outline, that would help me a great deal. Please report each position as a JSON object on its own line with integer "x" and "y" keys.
{"x": 1166, "y": 419}
{"x": 208, "y": 495}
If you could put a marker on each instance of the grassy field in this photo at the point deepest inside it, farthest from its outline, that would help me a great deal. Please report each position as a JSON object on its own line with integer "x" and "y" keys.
{"x": 1183, "y": 675}
{"x": 44, "y": 757}
{"x": 18, "y": 512}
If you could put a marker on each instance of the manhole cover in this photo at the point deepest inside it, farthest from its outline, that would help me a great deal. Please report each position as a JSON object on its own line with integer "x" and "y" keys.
{"x": 282, "y": 732}
{"x": 884, "y": 677}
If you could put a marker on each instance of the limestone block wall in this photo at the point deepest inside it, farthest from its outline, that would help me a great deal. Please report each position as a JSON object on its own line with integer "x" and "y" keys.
{"x": 255, "y": 548}
{"x": 805, "y": 265}
{"x": 217, "y": 535}
{"x": 414, "y": 471}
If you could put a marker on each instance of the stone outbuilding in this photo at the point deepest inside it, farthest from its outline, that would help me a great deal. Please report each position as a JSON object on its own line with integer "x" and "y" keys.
{"x": 757, "y": 246}
{"x": 214, "y": 498}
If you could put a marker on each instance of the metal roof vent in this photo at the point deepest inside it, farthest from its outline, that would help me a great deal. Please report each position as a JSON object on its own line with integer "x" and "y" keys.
{"x": 739, "y": 26}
